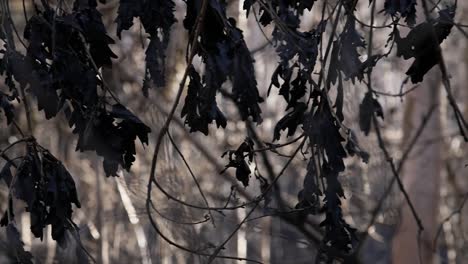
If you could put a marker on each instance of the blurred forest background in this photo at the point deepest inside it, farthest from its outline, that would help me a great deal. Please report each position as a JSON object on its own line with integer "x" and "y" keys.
{"x": 112, "y": 220}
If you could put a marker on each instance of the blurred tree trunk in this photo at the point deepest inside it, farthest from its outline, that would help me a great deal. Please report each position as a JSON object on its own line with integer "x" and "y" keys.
{"x": 421, "y": 175}
{"x": 103, "y": 254}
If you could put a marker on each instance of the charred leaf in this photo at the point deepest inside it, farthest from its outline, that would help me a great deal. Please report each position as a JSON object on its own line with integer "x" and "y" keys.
{"x": 422, "y": 43}
{"x": 239, "y": 159}
{"x": 16, "y": 252}
{"x": 290, "y": 121}
{"x": 367, "y": 109}
{"x": 406, "y": 8}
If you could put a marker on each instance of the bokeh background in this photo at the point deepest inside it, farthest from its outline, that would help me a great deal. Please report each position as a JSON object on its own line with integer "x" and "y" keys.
{"x": 113, "y": 222}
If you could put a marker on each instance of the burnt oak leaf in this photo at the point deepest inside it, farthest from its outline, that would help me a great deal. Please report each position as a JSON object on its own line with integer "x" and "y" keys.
{"x": 7, "y": 67}
{"x": 237, "y": 160}
{"x": 7, "y": 107}
{"x": 290, "y": 121}
{"x": 304, "y": 45}
{"x": 420, "y": 45}
{"x": 339, "y": 99}
{"x": 131, "y": 123}
{"x": 21, "y": 68}
{"x": 247, "y": 6}
{"x": 283, "y": 9}
{"x": 298, "y": 54}
{"x": 128, "y": 9}
{"x": 353, "y": 148}
{"x": 244, "y": 84}
{"x": 97, "y": 132}
{"x": 26, "y": 178}
{"x": 48, "y": 192}
{"x": 200, "y": 108}
{"x": 213, "y": 28}
{"x": 367, "y": 109}
{"x": 16, "y": 252}
{"x": 155, "y": 63}
{"x": 7, "y": 217}
{"x": 324, "y": 131}
{"x": 406, "y": 8}
{"x": 111, "y": 134}
{"x": 29, "y": 187}
{"x": 71, "y": 75}
{"x": 345, "y": 55}
{"x": 339, "y": 236}
{"x": 242, "y": 170}
{"x": 226, "y": 57}
{"x": 157, "y": 17}
{"x": 308, "y": 197}
{"x": 348, "y": 56}
{"x": 5, "y": 173}
{"x": 95, "y": 34}
{"x": 60, "y": 194}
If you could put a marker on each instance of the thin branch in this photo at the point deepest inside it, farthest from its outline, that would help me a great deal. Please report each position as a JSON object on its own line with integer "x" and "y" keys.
{"x": 461, "y": 122}
{"x": 403, "y": 160}
{"x": 270, "y": 187}
{"x": 164, "y": 129}
{"x": 400, "y": 94}
{"x": 192, "y": 174}
{"x": 455, "y": 212}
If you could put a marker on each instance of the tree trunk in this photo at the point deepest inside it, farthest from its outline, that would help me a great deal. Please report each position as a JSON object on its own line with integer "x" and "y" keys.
{"x": 421, "y": 176}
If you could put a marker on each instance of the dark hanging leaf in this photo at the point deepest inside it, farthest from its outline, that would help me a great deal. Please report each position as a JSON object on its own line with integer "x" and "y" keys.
{"x": 339, "y": 99}
{"x": 61, "y": 194}
{"x": 281, "y": 8}
{"x": 72, "y": 75}
{"x": 290, "y": 121}
{"x": 304, "y": 45}
{"x": 7, "y": 107}
{"x": 237, "y": 160}
{"x": 48, "y": 190}
{"x": 242, "y": 172}
{"x": 309, "y": 196}
{"x": 247, "y": 5}
{"x": 157, "y": 17}
{"x": 95, "y": 34}
{"x": 420, "y": 45}
{"x": 131, "y": 123}
{"x": 226, "y": 57}
{"x": 347, "y": 55}
{"x": 6, "y": 218}
{"x": 155, "y": 62}
{"x": 353, "y": 148}
{"x": 323, "y": 130}
{"x": 200, "y": 108}
{"x": 367, "y": 109}
{"x": 128, "y": 9}
{"x": 26, "y": 177}
{"x": 244, "y": 85}
{"x": 5, "y": 173}
{"x": 339, "y": 236}
{"x": 112, "y": 135}
{"x": 406, "y": 8}
{"x": 16, "y": 250}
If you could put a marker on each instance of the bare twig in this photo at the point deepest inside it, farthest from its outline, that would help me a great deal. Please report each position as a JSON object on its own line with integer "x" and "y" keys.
{"x": 455, "y": 212}
{"x": 461, "y": 122}
{"x": 270, "y": 187}
{"x": 192, "y": 174}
